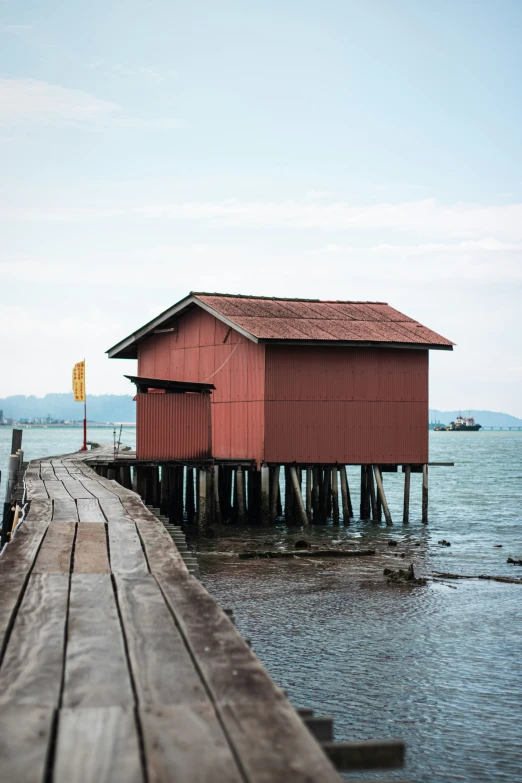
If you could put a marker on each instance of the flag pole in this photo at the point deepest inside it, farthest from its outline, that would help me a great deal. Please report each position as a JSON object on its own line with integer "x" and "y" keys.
{"x": 84, "y": 447}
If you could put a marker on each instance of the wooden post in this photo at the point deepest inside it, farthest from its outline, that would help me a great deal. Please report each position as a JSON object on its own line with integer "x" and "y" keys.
{"x": 165, "y": 489}
{"x": 371, "y": 486}
{"x": 363, "y": 491}
{"x": 345, "y": 495}
{"x": 380, "y": 489}
{"x": 189, "y": 502}
{"x": 309, "y": 492}
{"x": 240, "y": 490}
{"x": 335, "y": 496}
{"x": 316, "y": 510}
{"x": 424, "y": 494}
{"x": 210, "y": 496}
{"x": 264, "y": 504}
{"x": 274, "y": 512}
{"x": 217, "y": 503}
{"x": 141, "y": 481}
{"x": 406, "y": 510}
{"x": 111, "y": 473}
{"x": 125, "y": 476}
{"x": 289, "y": 497}
{"x": 325, "y": 493}
{"x": 202, "y": 501}
{"x": 298, "y": 497}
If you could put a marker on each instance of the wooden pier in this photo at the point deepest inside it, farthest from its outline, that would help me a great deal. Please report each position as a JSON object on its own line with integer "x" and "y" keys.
{"x": 117, "y": 665}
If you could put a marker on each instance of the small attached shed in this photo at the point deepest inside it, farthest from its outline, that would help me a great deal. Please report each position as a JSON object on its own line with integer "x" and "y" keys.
{"x": 282, "y": 381}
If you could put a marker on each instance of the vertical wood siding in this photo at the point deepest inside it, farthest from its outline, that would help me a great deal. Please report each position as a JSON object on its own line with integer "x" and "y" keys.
{"x": 173, "y": 426}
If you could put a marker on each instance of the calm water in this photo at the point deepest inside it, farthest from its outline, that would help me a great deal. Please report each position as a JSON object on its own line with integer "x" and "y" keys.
{"x": 439, "y": 666}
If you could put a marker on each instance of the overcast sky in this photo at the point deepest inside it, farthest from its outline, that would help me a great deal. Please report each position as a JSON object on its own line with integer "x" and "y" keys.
{"x": 335, "y": 149}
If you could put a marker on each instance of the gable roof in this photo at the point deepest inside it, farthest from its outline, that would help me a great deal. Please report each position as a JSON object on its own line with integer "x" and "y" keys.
{"x": 277, "y": 320}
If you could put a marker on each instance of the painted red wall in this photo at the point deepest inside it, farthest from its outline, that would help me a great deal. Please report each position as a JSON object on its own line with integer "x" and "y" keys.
{"x": 346, "y": 405}
{"x": 197, "y": 352}
{"x": 173, "y": 426}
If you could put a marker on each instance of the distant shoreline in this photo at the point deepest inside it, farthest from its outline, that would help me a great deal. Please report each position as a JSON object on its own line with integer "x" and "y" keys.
{"x": 90, "y": 425}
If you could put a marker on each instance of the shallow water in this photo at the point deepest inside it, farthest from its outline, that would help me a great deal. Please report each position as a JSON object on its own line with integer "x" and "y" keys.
{"x": 439, "y": 666}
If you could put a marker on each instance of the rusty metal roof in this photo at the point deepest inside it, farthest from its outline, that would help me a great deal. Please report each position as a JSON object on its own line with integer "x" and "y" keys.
{"x": 277, "y": 319}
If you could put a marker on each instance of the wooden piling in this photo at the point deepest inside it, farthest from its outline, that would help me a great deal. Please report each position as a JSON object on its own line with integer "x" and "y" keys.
{"x": 316, "y": 493}
{"x": 335, "y": 496}
{"x": 189, "y": 492}
{"x": 264, "y": 501}
{"x": 141, "y": 481}
{"x": 289, "y": 498}
{"x": 274, "y": 512}
{"x": 309, "y": 492}
{"x": 345, "y": 495}
{"x": 240, "y": 490}
{"x": 373, "y": 499}
{"x": 299, "y": 503}
{"x": 380, "y": 489}
{"x": 424, "y": 494}
{"x": 202, "y": 501}
{"x": 407, "y": 479}
{"x": 165, "y": 489}
{"x": 217, "y": 501}
{"x": 325, "y": 493}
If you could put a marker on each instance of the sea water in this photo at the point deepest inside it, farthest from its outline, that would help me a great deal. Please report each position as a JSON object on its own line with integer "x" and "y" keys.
{"x": 439, "y": 666}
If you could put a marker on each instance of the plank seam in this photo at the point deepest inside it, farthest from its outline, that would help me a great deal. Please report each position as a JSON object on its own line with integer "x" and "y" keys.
{"x": 184, "y": 635}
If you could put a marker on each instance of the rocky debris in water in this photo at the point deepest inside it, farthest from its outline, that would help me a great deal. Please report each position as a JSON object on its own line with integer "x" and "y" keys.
{"x": 511, "y": 561}
{"x": 401, "y": 576}
{"x": 307, "y": 553}
{"x": 391, "y": 542}
{"x": 444, "y": 542}
{"x": 497, "y": 546}
{"x": 302, "y": 544}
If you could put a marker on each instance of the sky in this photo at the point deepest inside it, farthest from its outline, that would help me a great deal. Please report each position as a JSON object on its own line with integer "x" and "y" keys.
{"x": 335, "y": 150}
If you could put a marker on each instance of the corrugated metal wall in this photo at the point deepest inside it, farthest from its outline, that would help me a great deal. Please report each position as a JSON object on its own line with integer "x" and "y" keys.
{"x": 196, "y": 351}
{"x": 173, "y": 426}
{"x": 346, "y": 405}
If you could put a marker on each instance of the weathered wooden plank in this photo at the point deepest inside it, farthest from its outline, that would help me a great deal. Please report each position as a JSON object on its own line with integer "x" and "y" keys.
{"x": 230, "y": 668}
{"x": 162, "y": 556}
{"x": 64, "y": 510}
{"x": 90, "y": 552}
{"x": 25, "y": 734}
{"x": 96, "y": 673}
{"x": 75, "y": 488}
{"x": 89, "y": 510}
{"x": 163, "y": 670}
{"x": 12, "y": 587}
{"x": 97, "y": 490}
{"x": 97, "y": 745}
{"x": 187, "y": 744}
{"x": 375, "y": 754}
{"x": 127, "y": 555}
{"x": 32, "y": 667}
{"x": 55, "y": 553}
{"x": 35, "y": 488}
{"x": 274, "y": 745}
{"x": 21, "y": 552}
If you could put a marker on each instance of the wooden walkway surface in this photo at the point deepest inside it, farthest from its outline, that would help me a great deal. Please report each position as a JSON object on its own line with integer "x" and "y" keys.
{"x": 116, "y": 664}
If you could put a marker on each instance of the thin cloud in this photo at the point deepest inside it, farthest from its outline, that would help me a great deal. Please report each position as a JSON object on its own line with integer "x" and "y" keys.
{"x": 28, "y": 102}
{"x": 125, "y": 70}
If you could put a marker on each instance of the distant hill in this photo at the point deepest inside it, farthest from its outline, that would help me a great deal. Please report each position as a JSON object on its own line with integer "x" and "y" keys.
{"x": 486, "y": 418}
{"x": 105, "y": 407}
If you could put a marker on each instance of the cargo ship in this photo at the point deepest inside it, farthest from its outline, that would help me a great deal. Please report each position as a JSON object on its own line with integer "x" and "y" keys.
{"x": 460, "y": 424}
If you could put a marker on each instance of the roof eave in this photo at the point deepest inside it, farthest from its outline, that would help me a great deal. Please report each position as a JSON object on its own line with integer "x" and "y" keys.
{"x": 128, "y": 347}
{"x": 358, "y": 344}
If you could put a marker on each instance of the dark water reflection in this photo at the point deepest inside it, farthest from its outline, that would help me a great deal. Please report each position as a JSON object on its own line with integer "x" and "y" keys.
{"x": 439, "y": 666}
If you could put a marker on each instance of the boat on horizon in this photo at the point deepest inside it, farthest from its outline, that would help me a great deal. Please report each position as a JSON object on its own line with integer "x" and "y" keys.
{"x": 461, "y": 424}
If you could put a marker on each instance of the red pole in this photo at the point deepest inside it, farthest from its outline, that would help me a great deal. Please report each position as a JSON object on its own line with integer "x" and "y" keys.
{"x": 84, "y": 447}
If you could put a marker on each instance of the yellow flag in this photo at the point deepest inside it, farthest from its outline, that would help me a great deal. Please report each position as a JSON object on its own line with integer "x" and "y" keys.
{"x": 78, "y": 382}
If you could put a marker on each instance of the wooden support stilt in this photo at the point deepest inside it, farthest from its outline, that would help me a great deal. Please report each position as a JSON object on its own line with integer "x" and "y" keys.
{"x": 264, "y": 504}
{"x": 345, "y": 495}
{"x": 335, "y": 496}
{"x": 240, "y": 490}
{"x": 111, "y": 473}
{"x": 141, "y": 481}
{"x": 407, "y": 479}
{"x": 424, "y": 494}
{"x": 210, "y": 498}
{"x": 299, "y": 503}
{"x": 289, "y": 498}
{"x": 165, "y": 489}
{"x": 325, "y": 493}
{"x": 363, "y": 491}
{"x": 180, "y": 487}
{"x": 125, "y": 478}
{"x": 309, "y": 492}
{"x": 189, "y": 501}
{"x": 279, "y": 501}
{"x": 274, "y": 511}
{"x": 380, "y": 489}
{"x": 217, "y": 501}
{"x": 202, "y": 501}
{"x": 316, "y": 494}
{"x": 373, "y": 499}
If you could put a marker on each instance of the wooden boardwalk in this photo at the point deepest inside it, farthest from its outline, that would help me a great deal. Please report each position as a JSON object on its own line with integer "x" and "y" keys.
{"x": 117, "y": 665}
